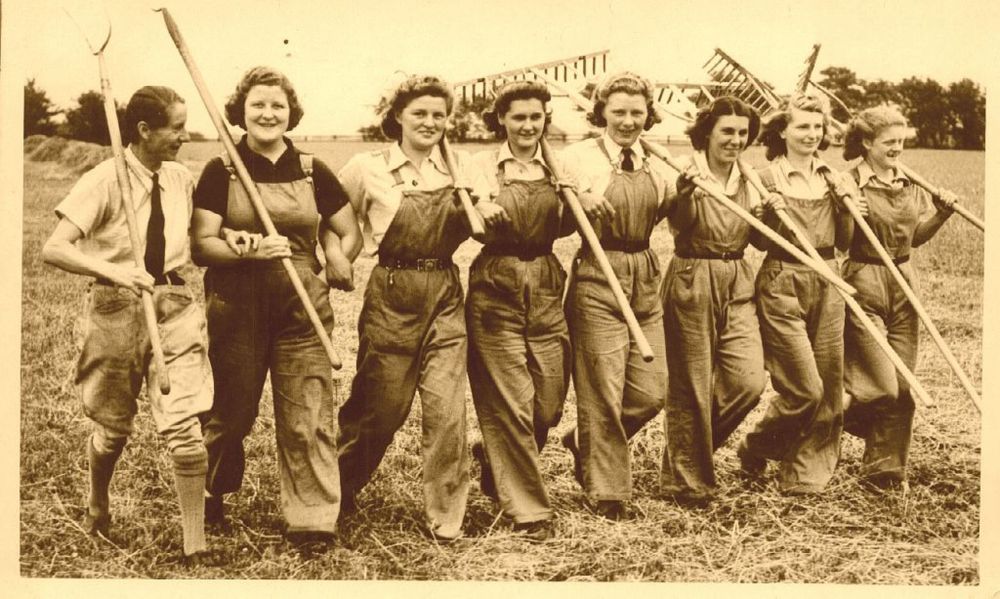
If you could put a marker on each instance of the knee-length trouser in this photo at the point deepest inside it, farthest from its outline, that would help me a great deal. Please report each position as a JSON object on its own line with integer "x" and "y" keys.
{"x": 802, "y": 328}
{"x": 881, "y": 409}
{"x": 715, "y": 363}
{"x": 412, "y": 337}
{"x": 519, "y": 368}
{"x": 617, "y": 392}
{"x": 256, "y": 324}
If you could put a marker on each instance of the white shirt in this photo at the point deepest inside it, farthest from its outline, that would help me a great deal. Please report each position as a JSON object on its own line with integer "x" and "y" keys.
{"x": 486, "y": 164}
{"x": 588, "y": 167}
{"x": 369, "y": 182}
{"x": 94, "y": 206}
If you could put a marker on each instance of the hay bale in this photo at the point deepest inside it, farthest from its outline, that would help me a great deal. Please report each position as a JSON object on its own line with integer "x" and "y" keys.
{"x": 49, "y": 150}
{"x": 32, "y": 142}
{"x": 81, "y": 156}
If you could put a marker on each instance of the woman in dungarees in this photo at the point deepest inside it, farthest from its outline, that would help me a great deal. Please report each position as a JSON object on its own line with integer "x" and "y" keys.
{"x": 412, "y": 325}
{"x": 881, "y": 407}
{"x": 519, "y": 351}
{"x": 801, "y": 315}
{"x": 624, "y": 192}
{"x": 716, "y": 361}
{"x": 256, "y": 322}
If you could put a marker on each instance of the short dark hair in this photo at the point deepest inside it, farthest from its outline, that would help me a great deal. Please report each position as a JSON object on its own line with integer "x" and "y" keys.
{"x": 707, "y": 117}
{"x": 235, "y": 105}
{"x": 412, "y": 88}
{"x": 628, "y": 83}
{"x": 148, "y": 105}
{"x": 506, "y": 95}
{"x": 777, "y": 122}
{"x": 866, "y": 125}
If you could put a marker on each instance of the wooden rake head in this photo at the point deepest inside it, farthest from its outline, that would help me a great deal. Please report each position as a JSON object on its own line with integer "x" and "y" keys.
{"x": 92, "y": 28}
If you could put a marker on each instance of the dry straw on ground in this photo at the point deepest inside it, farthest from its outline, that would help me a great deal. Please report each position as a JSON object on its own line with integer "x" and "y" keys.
{"x": 850, "y": 534}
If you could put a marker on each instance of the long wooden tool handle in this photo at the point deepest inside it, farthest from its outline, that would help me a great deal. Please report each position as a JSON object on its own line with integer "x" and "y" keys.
{"x": 916, "y": 387}
{"x": 911, "y": 296}
{"x": 588, "y": 234}
{"x": 247, "y": 181}
{"x": 125, "y": 188}
{"x": 818, "y": 266}
{"x": 475, "y": 220}
{"x": 961, "y": 210}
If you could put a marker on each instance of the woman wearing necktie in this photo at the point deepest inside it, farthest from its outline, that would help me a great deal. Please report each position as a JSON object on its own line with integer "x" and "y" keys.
{"x": 519, "y": 350}
{"x": 624, "y": 192}
{"x": 901, "y": 214}
{"x": 256, "y": 322}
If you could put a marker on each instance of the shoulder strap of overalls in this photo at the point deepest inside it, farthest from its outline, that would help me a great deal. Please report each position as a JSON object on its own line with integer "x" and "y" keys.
{"x": 604, "y": 150}
{"x": 227, "y": 163}
{"x": 385, "y": 156}
{"x": 501, "y": 169}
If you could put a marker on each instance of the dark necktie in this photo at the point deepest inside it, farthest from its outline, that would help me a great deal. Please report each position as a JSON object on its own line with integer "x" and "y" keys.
{"x": 627, "y": 160}
{"x": 155, "y": 241}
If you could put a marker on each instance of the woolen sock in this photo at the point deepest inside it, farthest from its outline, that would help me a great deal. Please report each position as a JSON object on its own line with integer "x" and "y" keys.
{"x": 189, "y": 477}
{"x": 102, "y": 467}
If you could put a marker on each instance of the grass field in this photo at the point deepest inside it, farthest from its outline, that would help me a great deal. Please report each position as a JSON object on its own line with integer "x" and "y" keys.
{"x": 850, "y": 534}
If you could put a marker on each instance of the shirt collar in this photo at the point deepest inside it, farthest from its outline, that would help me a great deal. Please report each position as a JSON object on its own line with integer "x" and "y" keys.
{"x": 248, "y": 155}
{"x": 139, "y": 169}
{"x": 866, "y": 174}
{"x": 732, "y": 184}
{"x": 615, "y": 150}
{"x": 397, "y": 158}
{"x": 786, "y": 168}
{"x": 505, "y": 154}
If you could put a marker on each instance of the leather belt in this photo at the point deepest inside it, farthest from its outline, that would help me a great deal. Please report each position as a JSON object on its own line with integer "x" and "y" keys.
{"x": 621, "y": 245}
{"x": 415, "y": 263}
{"x": 708, "y": 255}
{"x": 825, "y": 253}
{"x": 878, "y": 261}
{"x": 523, "y": 252}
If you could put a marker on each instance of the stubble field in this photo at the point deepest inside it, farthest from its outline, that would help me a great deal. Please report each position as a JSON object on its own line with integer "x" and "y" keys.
{"x": 850, "y": 534}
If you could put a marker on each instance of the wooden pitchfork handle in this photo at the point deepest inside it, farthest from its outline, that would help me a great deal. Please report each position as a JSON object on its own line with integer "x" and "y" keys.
{"x": 918, "y": 390}
{"x": 817, "y": 265}
{"x": 475, "y": 221}
{"x": 588, "y": 234}
{"x": 162, "y": 376}
{"x": 908, "y": 291}
{"x": 961, "y": 210}
{"x": 247, "y": 181}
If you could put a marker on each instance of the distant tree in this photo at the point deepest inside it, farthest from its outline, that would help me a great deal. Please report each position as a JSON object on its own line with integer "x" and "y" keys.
{"x": 968, "y": 108}
{"x": 38, "y": 111}
{"x": 881, "y": 92}
{"x": 926, "y": 105}
{"x": 87, "y": 122}
{"x": 468, "y": 122}
{"x": 844, "y": 84}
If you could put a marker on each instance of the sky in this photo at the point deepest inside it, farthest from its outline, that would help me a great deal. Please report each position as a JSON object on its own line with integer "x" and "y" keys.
{"x": 342, "y": 55}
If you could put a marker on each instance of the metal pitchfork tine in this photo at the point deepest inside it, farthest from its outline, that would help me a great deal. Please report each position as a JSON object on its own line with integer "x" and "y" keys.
{"x": 125, "y": 189}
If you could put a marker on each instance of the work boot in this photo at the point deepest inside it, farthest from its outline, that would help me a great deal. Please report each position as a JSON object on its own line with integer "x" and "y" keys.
{"x": 569, "y": 442}
{"x": 538, "y": 531}
{"x": 310, "y": 543}
{"x": 752, "y": 467}
{"x": 215, "y": 512}
{"x": 97, "y": 523}
{"x": 486, "y": 482}
{"x": 611, "y": 509}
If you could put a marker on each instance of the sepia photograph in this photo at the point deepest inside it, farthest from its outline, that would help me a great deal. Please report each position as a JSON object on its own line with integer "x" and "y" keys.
{"x": 586, "y": 292}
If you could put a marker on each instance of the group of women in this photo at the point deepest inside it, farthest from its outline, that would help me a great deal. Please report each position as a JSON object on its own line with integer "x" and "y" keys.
{"x": 713, "y": 323}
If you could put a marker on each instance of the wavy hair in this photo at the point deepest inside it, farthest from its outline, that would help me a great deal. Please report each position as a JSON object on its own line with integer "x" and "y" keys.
{"x": 235, "y": 105}
{"x": 628, "y": 83}
{"x": 412, "y": 88}
{"x": 866, "y": 126}
{"x": 778, "y": 122}
{"x": 707, "y": 117}
{"x": 506, "y": 95}
{"x": 148, "y": 105}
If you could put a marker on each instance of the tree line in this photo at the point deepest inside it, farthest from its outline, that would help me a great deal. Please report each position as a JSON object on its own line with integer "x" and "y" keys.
{"x": 943, "y": 117}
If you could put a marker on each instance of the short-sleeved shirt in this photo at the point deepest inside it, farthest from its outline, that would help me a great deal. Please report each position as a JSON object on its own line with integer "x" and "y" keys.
{"x": 590, "y": 170}
{"x": 212, "y": 192}
{"x": 370, "y": 180}
{"x": 94, "y": 206}
{"x": 486, "y": 166}
{"x": 797, "y": 183}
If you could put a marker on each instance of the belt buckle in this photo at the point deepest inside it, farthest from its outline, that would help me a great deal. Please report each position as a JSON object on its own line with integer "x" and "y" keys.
{"x": 427, "y": 263}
